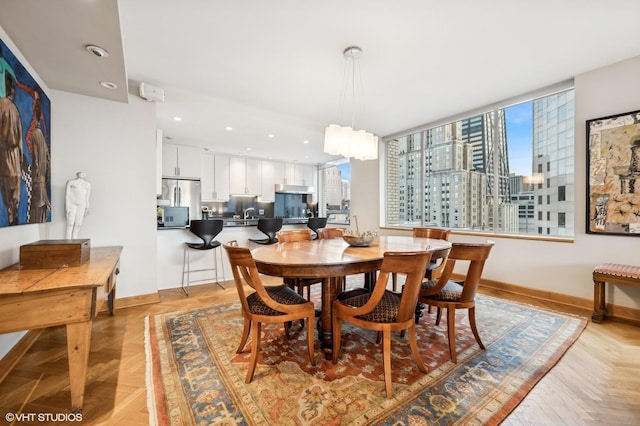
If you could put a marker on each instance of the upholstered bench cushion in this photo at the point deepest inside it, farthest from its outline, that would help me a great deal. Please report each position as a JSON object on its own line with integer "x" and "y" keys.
{"x": 617, "y": 270}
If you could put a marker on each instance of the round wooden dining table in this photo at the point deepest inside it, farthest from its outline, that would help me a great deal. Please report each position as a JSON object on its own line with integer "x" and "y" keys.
{"x": 332, "y": 260}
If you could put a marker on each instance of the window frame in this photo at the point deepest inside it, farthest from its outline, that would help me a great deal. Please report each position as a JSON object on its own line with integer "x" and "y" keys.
{"x": 567, "y": 85}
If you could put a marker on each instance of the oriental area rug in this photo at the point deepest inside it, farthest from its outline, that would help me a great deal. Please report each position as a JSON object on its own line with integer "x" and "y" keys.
{"x": 195, "y": 376}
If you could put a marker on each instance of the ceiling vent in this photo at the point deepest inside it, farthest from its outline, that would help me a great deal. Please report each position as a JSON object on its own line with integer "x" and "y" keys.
{"x": 151, "y": 93}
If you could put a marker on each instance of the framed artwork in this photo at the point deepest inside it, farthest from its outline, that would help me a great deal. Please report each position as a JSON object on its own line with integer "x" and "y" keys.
{"x": 613, "y": 174}
{"x": 25, "y": 145}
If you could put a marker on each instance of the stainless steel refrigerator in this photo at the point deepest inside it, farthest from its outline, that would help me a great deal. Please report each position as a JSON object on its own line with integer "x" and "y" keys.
{"x": 183, "y": 193}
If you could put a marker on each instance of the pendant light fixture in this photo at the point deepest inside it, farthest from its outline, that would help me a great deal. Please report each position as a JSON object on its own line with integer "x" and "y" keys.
{"x": 346, "y": 140}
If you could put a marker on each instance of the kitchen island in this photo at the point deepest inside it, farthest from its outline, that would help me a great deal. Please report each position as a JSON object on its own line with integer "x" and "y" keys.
{"x": 171, "y": 249}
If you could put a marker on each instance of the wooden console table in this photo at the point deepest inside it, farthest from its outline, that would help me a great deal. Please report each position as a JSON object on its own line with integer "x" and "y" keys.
{"x": 39, "y": 298}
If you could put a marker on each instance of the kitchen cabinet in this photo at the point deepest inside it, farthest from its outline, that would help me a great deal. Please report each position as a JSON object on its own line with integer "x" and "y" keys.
{"x": 180, "y": 161}
{"x": 279, "y": 175}
{"x": 303, "y": 174}
{"x": 294, "y": 174}
{"x": 268, "y": 194}
{"x": 214, "y": 177}
{"x": 289, "y": 174}
{"x": 245, "y": 176}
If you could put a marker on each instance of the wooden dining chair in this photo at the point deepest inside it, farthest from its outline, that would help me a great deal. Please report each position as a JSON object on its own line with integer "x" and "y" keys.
{"x": 329, "y": 233}
{"x": 266, "y": 305}
{"x": 291, "y": 236}
{"x": 436, "y": 264}
{"x": 384, "y": 311}
{"x": 315, "y": 223}
{"x": 451, "y": 295}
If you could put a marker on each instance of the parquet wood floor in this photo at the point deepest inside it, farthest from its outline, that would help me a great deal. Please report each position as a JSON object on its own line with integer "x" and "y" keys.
{"x": 597, "y": 382}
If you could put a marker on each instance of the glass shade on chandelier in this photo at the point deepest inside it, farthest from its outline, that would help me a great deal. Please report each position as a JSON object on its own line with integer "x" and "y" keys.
{"x": 344, "y": 141}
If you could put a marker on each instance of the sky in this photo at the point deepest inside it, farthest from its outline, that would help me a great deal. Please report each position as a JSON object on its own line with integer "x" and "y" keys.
{"x": 519, "y": 121}
{"x": 345, "y": 170}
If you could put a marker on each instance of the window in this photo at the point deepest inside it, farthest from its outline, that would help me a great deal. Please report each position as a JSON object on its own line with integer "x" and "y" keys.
{"x": 561, "y": 219}
{"x": 336, "y": 192}
{"x": 476, "y": 173}
{"x": 561, "y": 193}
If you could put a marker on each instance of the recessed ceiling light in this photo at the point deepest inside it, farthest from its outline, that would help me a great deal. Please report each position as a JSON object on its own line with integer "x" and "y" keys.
{"x": 305, "y": 141}
{"x": 97, "y": 50}
{"x": 249, "y": 149}
{"x": 108, "y": 85}
{"x": 270, "y": 135}
{"x": 228, "y": 128}
{"x": 177, "y": 118}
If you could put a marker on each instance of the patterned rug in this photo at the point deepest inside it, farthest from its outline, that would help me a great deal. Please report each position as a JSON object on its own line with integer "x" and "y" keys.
{"x": 194, "y": 375}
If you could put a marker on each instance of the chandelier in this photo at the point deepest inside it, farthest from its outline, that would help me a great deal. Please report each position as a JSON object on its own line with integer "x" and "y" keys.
{"x": 345, "y": 140}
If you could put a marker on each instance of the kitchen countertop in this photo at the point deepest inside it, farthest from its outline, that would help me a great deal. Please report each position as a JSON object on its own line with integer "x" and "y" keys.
{"x": 254, "y": 221}
{"x": 246, "y": 222}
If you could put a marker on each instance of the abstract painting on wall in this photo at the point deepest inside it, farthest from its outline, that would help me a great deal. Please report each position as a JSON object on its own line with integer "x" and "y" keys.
{"x": 25, "y": 145}
{"x": 613, "y": 174}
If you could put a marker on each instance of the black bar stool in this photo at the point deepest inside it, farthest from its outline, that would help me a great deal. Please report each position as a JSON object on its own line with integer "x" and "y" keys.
{"x": 316, "y": 223}
{"x": 269, "y": 227}
{"x": 207, "y": 230}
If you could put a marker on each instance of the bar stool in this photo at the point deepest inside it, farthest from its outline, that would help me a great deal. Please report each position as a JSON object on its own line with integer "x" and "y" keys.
{"x": 206, "y": 230}
{"x": 269, "y": 227}
{"x": 315, "y": 223}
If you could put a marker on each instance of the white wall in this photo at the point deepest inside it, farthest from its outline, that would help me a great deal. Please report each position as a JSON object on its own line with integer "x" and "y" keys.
{"x": 114, "y": 143}
{"x": 556, "y": 267}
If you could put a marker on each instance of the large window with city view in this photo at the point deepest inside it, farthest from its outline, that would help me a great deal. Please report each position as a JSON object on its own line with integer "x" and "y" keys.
{"x": 509, "y": 169}
{"x": 336, "y": 191}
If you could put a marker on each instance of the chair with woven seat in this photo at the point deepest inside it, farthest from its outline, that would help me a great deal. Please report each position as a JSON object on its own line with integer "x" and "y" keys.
{"x": 329, "y": 233}
{"x": 206, "y": 230}
{"x": 315, "y": 223}
{"x": 266, "y": 305}
{"x": 451, "y": 295}
{"x": 291, "y": 236}
{"x": 269, "y": 227}
{"x": 384, "y": 311}
{"x": 436, "y": 264}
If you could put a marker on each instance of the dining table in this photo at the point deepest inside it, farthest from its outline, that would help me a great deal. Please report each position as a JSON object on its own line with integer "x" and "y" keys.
{"x": 332, "y": 260}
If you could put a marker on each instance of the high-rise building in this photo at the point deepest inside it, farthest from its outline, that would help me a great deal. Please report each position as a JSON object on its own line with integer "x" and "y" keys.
{"x": 553, "y": 162}
{"x": 457, "y": 175}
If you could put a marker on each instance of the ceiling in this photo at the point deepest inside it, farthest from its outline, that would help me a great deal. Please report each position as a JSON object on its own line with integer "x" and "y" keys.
{"x": 276, "y": 67}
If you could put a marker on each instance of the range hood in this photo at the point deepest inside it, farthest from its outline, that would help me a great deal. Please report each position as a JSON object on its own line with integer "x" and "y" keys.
{"x": 294, "y": 189}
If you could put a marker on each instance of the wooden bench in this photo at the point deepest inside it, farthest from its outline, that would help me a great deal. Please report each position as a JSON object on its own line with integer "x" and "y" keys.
{"x": 613, "y": 273}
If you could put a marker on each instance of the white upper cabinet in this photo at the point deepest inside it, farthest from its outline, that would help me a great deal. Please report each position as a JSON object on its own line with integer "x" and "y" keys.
{"x": 268, "y": 194}
{"x": 245, "y": 176}
{"x": 254, "y": 176}
{"x": 289, "y": 174}
{"x": 279, "y": 173}
{"x": 303, "y": 174}
{"x": 215, "y": 177}
{"x": 180, "y": 161}
{"x": 222, "y": 177}
{"x": 294, "y": 174}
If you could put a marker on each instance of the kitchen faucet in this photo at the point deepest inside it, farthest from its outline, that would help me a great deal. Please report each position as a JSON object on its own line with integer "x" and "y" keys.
{"x": 245, "y": 212}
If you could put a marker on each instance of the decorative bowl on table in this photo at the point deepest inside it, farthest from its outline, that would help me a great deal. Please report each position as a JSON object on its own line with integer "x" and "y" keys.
{"x": 359, "y": 239}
